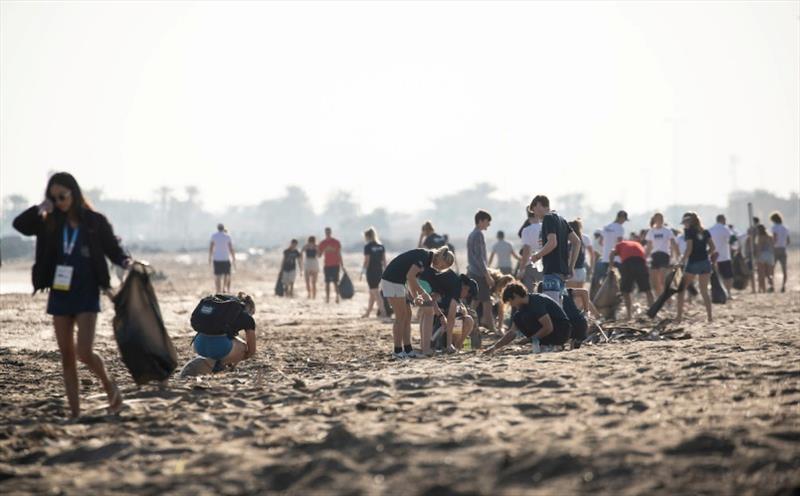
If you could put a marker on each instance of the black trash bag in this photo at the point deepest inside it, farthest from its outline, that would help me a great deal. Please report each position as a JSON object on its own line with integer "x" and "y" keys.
{"x": 279, "y": 289}
{"x": 719, "y": 294}
{"x": 741, "y": 272}
{"x": 346, "y": 290}
{"x": 139, "y": 330}
{"x": 673, "y": 283}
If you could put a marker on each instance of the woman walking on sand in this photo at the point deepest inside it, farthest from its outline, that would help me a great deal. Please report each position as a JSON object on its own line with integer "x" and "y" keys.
{"x": 311, "y": 266}
{"x": 72, "y": 242}
{"x": 700, "y": 250}
{"x": 374, "y": 263}
{"x": 765, "y": 248}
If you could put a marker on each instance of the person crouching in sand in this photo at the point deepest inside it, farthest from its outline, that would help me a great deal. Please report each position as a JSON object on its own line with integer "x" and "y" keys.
{"x": 538, "y": 318}
{"x": 449, "y": 292}
{"x": 218, "y": 321}
{"x": 402, "y": 271}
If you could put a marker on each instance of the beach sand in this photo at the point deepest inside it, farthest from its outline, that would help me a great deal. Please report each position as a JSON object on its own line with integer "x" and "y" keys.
{"x": 322, "y": 409}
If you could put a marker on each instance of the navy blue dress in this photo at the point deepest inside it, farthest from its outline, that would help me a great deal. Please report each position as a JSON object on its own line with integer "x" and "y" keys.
{"x": 84, "y": 292}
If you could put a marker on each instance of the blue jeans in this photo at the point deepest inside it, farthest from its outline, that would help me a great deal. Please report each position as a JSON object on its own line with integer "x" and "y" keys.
{"x": 553, "y": 286}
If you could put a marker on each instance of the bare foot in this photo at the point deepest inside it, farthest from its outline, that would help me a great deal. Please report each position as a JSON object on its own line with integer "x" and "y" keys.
{"x": 114, "y": 399}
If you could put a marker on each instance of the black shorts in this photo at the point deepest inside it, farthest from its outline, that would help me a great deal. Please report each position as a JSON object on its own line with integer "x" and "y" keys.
{"x": 634, "y": 270}
{"x": 659, "y": 260}
{"x": 725, "y": 269}
{"x": 222, "y": 268}
{"x": 331, "y": 274}
{"x": 374, "y": 279}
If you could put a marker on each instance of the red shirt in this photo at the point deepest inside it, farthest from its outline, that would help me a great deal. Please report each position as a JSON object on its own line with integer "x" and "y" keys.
{"x": 333, "y": 258}
{"x": 629, "y": 249}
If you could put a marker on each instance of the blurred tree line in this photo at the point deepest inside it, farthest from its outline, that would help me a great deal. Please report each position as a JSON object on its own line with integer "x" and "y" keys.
{"x": 176, "y": 220}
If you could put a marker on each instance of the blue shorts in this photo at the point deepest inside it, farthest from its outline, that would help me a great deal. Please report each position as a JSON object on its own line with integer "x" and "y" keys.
{"x": 553, "y": 283}
{"x": 214, "y": 347}
{"x": 699, "y": 267}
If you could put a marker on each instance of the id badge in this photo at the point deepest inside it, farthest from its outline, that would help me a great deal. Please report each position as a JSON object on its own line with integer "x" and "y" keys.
{"x": 63, "y": 279}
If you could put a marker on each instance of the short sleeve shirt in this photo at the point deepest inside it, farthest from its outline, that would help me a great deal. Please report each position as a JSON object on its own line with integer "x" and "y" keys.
{"x": 781, "y": 234}
{"x": 375, "y": 252}
{"x": 699, "y": 244}
{"x": 446, "y": 284}
{"x": 244, "y": 322}
{"x": 222, "y": 242}
{"x": 290, "y": 257}
{"x": 721, "y": 234}
{"x": 333, "y": 258}
{"x": 398, "y": 268}
{"x": 629, "y": 249}
{"x": 557, "y": 261}
{"x": 527, "y": 318}
{"x": 503, "y": 249}
{"x": 660, "y": 239}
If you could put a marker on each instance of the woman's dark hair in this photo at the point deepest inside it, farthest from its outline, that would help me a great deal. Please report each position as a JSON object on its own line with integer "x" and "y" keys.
{"x": 524, "y": 225}
{"x": 312, "y": 239}
{"x": 762, "y": 230}
{"x": 577, "y": 226}
{"x": 66, "y": 180}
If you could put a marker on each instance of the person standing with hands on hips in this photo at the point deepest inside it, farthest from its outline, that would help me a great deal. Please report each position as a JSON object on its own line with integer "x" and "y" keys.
{"x": 72, "y": 243}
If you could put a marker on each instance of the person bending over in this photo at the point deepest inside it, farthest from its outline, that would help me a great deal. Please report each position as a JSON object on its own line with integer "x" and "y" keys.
{"x": 223, "y": 344}
{"x": 633, "y": 270}
{"x": 449, "y": 291}
{"x": 402, "y": 272}
{"x": 538, "y": 318}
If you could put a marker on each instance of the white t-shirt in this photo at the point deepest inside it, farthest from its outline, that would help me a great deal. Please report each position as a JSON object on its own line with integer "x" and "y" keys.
{"x": 781, "y": 235}
{"x": 587, "y": 247}
{"x": 660, "y": 238}
{"x": 721, "y": 234}
{"x": 681, "y": 239}
{"x": 222, "y": 243}
{"x": 612, "y": 233}
{"x": 532, "y": 236}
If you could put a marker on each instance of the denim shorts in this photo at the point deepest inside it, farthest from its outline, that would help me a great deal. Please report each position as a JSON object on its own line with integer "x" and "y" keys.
{"x": 214, "y": 347}
{"x": 699, "y": 267}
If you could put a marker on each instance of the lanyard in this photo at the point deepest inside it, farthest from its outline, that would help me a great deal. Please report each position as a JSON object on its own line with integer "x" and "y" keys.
{"x": 71, "y": 246}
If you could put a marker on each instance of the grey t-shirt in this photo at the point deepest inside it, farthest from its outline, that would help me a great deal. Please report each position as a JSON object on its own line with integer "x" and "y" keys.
{"x": 503, "y": 250}
{"x": 476, "y": 252}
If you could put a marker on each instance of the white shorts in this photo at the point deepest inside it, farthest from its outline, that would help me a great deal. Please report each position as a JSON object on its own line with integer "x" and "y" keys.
{"x": 393, "y": 289}
{"x": 579, "y": 275}
{"x": 311, "y": 265}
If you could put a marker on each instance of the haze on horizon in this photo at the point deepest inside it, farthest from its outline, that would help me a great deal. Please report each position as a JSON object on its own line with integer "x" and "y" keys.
{"x": 643, "y": 104}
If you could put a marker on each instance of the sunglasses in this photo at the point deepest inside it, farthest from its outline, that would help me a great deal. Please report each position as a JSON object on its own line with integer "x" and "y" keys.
{"x": 62, "y": 197}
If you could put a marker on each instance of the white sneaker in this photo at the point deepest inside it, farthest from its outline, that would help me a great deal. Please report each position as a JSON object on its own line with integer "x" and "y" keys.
{"x": 399, "y": 356}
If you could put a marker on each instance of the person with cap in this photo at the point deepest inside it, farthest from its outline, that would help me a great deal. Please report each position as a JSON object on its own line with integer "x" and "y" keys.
{"x": 222, "y": 255}
{"x": 612, "y": 234}
{"x": 560, "y": 248}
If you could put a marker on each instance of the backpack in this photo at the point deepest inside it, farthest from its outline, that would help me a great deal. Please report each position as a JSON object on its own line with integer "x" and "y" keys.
{"x": 215, "y": 314}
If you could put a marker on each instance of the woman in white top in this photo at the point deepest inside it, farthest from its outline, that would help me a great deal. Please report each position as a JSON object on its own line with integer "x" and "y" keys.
{"x": 660, "y": 243}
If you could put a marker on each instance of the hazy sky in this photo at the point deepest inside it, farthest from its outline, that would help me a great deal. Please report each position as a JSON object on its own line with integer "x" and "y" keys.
{"x": 399, "y": 102}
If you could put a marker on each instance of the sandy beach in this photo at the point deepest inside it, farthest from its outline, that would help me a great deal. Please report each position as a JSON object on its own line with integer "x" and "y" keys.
{"x": 322, "y": 409}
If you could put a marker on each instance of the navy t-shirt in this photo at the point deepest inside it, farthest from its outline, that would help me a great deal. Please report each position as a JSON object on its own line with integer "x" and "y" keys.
{"x": 398, "y": 268}
{"x": 244, "y": 322}
{"x": 447, "y": 284}
{"x": 557, "y": 261}
{"x": 375, "y": 253}
{"x": 290, "y": 257}
{"x": 527, "y": 318}
{"x": 699, "y": 243}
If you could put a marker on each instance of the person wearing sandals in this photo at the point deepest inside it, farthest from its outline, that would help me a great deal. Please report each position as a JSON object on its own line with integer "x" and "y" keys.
{"x": 72, "y": 243}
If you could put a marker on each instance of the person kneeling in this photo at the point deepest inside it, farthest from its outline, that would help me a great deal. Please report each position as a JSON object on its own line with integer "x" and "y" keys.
{"x": 537, "y": 317}
{"x": 218, "y": 320}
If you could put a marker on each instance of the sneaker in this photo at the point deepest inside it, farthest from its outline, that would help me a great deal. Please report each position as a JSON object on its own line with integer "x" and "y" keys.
{"x": 414, "y": 354}
{"x": 399, "y": 356}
